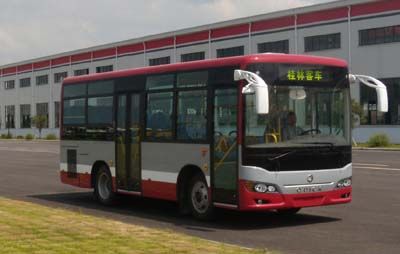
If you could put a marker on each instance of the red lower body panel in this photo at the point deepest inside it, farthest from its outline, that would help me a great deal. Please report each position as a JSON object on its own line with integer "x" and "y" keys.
{"x": 75, "y": 179}
{"x": 151, "y": 189}
{"x": 249, "y": 200}
{"x": 161, "y": 190}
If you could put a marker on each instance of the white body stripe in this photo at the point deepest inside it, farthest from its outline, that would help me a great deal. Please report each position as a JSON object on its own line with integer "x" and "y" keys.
{"x": 166, "y": 177}
{"x": 83, "y": 169}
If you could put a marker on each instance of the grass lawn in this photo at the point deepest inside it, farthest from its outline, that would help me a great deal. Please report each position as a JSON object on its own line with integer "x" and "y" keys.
{"x": 366, "y": 145}
{"x": 31, "y": 228}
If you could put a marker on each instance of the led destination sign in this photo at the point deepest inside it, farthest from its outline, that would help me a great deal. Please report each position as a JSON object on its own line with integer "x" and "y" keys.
{"x": 305, "y": 74}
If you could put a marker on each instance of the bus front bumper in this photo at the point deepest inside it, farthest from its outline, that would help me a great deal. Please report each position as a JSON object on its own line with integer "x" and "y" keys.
{"x": 254, "y": 201}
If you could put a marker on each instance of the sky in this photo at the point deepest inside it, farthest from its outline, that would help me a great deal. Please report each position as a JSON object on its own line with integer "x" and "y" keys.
{"x": 37, "y": 28}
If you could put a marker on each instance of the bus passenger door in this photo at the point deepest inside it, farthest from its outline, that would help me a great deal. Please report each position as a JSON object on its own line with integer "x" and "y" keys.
{"x": 128, "y": 142}
{"x": 225, "y": 148}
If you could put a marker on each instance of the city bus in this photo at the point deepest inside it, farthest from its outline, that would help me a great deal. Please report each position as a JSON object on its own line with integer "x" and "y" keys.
{"x": 250, "y": 133}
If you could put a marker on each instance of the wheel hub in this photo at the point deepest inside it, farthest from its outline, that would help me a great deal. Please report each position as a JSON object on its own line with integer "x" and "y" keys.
{"x": 200, "y": 197}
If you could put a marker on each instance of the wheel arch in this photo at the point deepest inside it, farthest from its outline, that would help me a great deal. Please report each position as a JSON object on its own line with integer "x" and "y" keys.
{"x": 95, "y": 168}
{"x": 185, "y": 174}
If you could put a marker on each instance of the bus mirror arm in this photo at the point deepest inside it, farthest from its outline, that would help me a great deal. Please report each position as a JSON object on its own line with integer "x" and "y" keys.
{"x": 256, "y": 85}
{"x": 380, "y": 88}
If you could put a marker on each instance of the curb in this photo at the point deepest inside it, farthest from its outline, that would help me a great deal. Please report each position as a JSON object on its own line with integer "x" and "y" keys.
{"x": 28, "y": 141}
{"x": 377, "y": 149}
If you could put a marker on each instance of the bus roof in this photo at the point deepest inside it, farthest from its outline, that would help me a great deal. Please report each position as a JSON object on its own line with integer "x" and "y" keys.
{"x": 212, "y": 63}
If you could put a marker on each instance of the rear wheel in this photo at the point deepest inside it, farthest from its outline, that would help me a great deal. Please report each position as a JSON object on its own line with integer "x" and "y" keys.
{"x": 103, "y": 187}
{"x": 199, "y": 199}
{"x": 288, "y": 212}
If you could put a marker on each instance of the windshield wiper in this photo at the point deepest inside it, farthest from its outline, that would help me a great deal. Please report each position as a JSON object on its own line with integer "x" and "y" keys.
{"x": 281, "y": 155}
{"x": 330, "y": 144}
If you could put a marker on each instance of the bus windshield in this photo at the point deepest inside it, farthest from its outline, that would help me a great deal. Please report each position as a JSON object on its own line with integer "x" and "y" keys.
{"x": 309, "y": 106}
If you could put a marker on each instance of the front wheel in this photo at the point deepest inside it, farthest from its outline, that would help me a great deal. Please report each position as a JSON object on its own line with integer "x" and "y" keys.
{"x": 103, "y": 187}
{"x": 199, "y": 199}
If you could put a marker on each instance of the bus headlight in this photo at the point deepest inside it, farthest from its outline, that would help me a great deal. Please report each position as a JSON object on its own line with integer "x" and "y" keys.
{"x": 344, "y": 183}
{"x": 261, "y": 187}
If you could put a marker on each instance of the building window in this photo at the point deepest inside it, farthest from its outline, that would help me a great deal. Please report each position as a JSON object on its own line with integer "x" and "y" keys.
{"x": 81, "y": 72}
{"x": 379, "y": 35}
{"x": 25, "y": 82}
{"x": 56, "y": 114}
{"x": 227, "y": 52}
{"x": 106, "y": 68}
{"x": 42, "y": 80}
{"x": 9, "y": 84}
{"x": 159, "y": 61}
{"x": 25, "y": 115}
{"x": 59, "y": 77}
{"x": 193, "y": 56}
{"x": 368, "y": 102}
{"x": 322, "y": 42}
{"x": 10, "y": 116}
{"x": 42, "y": 109}
{"x": 274, "y": 47}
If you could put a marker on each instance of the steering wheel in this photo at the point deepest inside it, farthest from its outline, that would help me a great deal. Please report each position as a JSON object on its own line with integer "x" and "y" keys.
{"x": 233, "y": 133}
{"x": 315, "y": 131}
{"x": 218, "y": 134}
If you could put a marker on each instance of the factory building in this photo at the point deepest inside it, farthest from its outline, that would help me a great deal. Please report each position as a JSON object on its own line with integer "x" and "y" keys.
{"x": 365, "y": 33}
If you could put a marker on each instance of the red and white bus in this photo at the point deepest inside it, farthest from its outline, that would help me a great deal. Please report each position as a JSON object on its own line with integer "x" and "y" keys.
{"x": 258, "y": 132}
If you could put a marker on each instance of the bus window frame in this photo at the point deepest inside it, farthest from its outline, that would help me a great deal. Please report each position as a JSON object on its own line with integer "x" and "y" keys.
{"x": 121, "y": 86}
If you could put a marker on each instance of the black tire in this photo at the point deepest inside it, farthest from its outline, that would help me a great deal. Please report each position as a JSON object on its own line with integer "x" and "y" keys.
{"x": 199, "y": 199}
{"x": 103, "y": 190}
{"x": 288, "y": 212}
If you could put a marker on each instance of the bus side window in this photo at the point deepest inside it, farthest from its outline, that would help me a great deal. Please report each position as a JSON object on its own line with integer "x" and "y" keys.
{"x": 192, "y": 115}
{"x": 159, "y": 114}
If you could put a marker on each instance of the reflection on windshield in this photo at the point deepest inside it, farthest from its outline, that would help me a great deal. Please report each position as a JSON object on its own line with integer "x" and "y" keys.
{"x": 300, "y": 116}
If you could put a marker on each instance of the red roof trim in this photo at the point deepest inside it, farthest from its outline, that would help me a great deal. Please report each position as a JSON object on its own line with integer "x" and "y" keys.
{"x": 270, "y": 24}
{"x": 160, "y": 43}
{"x": 81, "y": 57}
{"x": 323, "y": 15}
{"x": 10, "y": 70}
{"x": 110, "y": 52}
{"x": 60, "y": 61}
{"x": 229, "y": 31}
{"x": 375, "y": 7}
{"x": 24, "y": 67}
{"x": 41, "y": 65}
{"x": 131, "y": 48}
{"x": 193, "y": 37}
{"x": 212, "y": 63}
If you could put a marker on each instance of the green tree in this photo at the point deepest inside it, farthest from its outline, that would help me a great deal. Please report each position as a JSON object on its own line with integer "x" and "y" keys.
{"x": 40, "y": 122}
{"x": 356, "y": 110}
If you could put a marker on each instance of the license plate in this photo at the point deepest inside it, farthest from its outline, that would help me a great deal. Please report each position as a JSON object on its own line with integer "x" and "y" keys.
{"x": 309, "y": 189}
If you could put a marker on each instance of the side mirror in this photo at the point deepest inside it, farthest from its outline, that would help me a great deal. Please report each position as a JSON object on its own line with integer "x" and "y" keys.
{"x": 380, "y": 88}
{"x": 255, "y": 85}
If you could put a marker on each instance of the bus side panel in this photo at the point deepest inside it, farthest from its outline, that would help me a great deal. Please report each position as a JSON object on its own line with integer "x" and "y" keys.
{"x": 162, "y": 162}
{"x": 77, "y": 159}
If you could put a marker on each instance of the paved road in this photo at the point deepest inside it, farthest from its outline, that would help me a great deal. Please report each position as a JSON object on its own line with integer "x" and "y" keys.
{"x": 370, "y": 224}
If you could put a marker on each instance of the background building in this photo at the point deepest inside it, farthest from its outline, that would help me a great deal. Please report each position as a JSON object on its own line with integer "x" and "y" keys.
{"x": 365, "y": 33}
